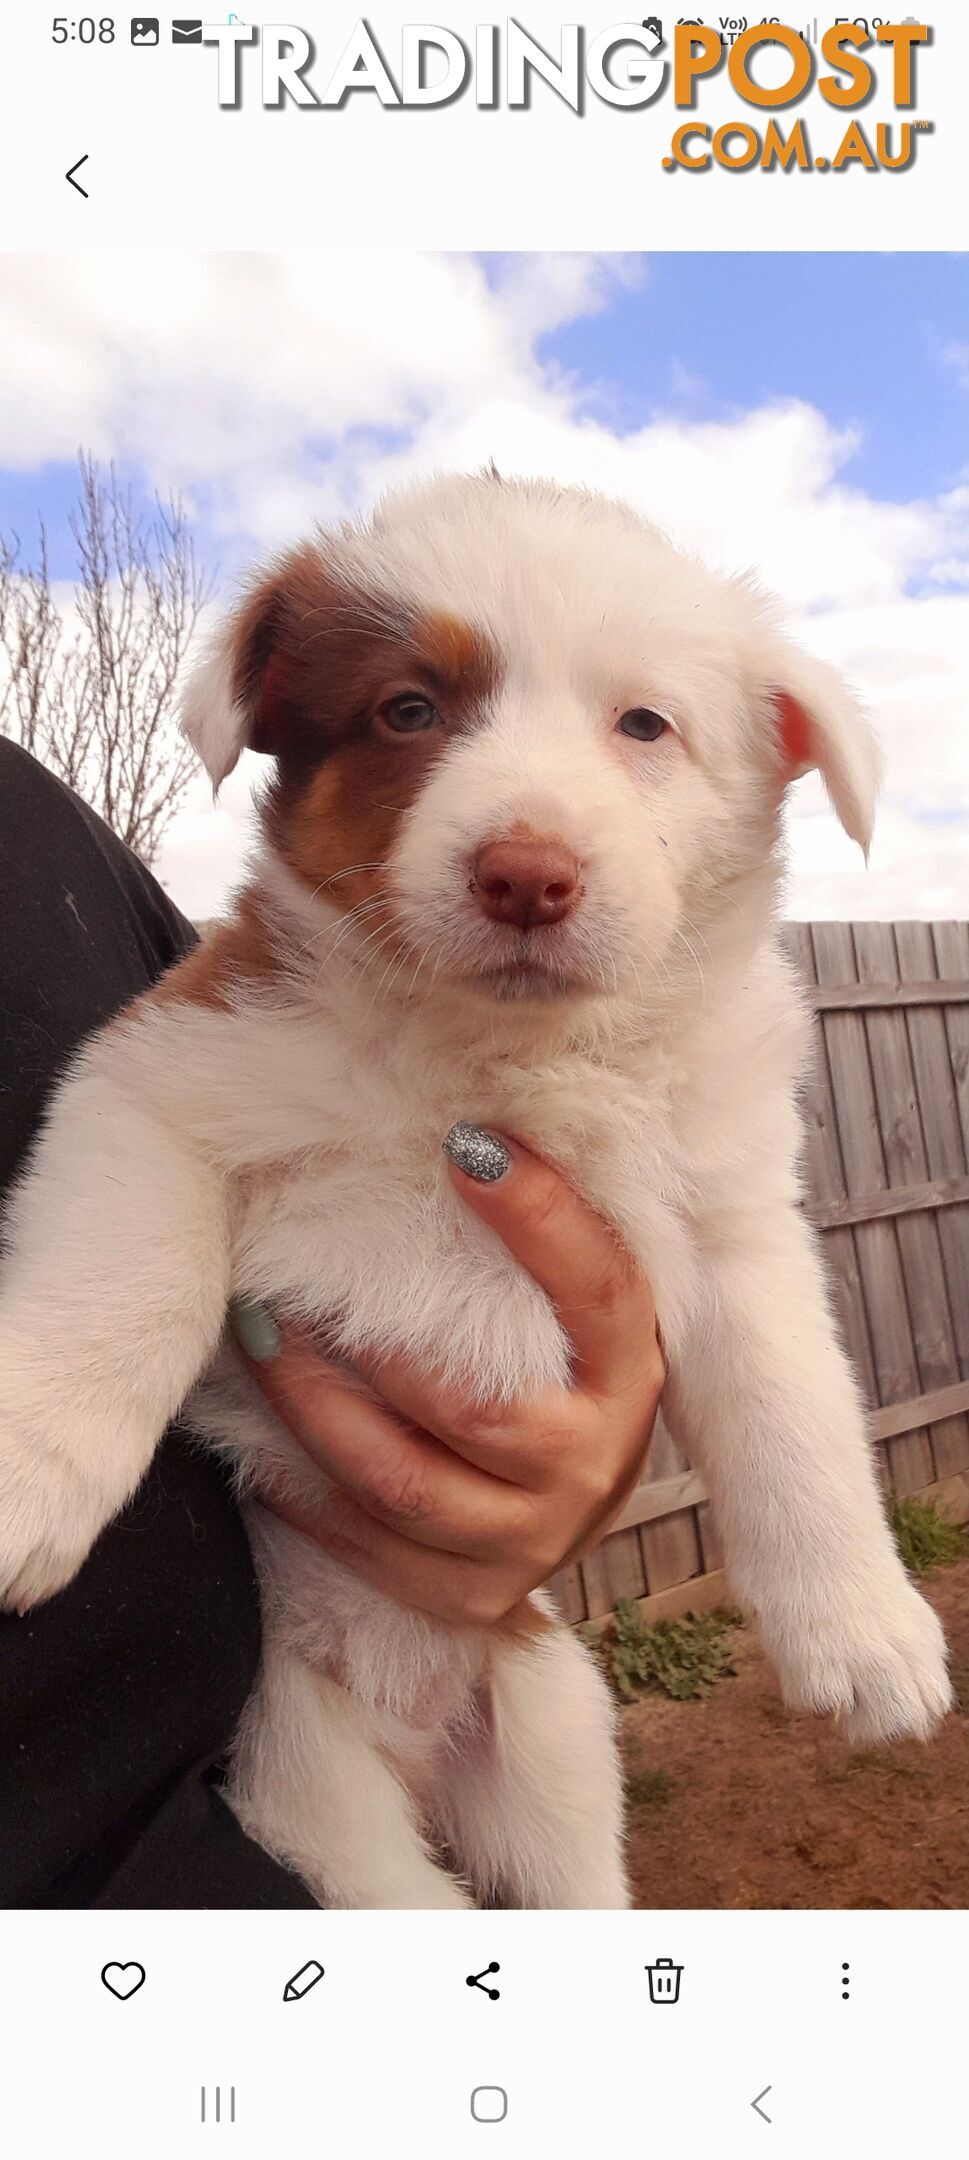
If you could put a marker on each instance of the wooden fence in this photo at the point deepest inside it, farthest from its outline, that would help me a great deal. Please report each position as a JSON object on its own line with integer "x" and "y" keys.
{"x": 887, "y": 1184}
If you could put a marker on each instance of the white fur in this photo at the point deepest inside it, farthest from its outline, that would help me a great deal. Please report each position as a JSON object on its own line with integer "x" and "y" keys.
{"x": 212, "y": 718}
{"x": 290, "y": 1149}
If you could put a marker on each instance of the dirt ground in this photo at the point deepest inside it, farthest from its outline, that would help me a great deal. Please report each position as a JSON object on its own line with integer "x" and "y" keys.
{"x": 735, "y": 1802}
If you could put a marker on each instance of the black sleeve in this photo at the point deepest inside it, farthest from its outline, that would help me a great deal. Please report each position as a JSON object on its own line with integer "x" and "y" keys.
{"x": 118, "y": 1699}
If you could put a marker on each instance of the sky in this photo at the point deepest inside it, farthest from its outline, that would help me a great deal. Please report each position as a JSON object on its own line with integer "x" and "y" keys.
{"x": 804, "y": 416}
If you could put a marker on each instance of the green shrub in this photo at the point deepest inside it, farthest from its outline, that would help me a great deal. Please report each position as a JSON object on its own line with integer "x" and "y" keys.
{"x": 925, "y": 1538}
{"x": 680, "y": 1658}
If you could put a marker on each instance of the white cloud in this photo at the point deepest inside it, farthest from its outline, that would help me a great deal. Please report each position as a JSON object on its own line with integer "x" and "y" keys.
{"x": 277, "y": 390}
{"x": 243, "y": 374}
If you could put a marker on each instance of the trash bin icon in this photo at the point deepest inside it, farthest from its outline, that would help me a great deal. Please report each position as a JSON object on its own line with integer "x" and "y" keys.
{"x": 664, "y": 1981}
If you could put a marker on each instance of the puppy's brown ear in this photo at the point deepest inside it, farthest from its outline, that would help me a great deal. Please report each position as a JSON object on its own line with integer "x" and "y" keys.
{"x": 244, "y": 693}
{"x": 821, "y": 727}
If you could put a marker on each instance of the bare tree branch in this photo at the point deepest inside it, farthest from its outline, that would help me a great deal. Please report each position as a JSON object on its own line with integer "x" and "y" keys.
{"x": 94, "y": 700}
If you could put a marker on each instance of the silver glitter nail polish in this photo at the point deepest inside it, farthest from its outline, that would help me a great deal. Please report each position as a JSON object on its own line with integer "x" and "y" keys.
{"x": 477, "y": 1152}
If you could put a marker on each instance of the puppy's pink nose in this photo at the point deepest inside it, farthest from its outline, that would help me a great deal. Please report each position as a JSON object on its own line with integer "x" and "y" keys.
{"x": 526, "y": 882}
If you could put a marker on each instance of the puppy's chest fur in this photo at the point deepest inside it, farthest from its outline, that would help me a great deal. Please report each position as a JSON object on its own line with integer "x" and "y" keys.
{"x": 343, "y": 1215}
{"x": 364, "y": 1235}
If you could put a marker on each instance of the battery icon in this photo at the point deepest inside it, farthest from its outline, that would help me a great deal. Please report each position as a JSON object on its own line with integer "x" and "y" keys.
{"x": 664, "y": 1981}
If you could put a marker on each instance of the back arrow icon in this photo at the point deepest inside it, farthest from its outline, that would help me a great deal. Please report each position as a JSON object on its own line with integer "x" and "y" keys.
{"x": 76, "y": 183}
{"x": 755, "y": 2104}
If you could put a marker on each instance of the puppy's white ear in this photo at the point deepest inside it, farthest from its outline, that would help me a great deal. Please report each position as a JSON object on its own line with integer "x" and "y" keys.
{"x": 212, "y": 719}
{"x": 243, "y": 694}
{"x": 822, "y": 727}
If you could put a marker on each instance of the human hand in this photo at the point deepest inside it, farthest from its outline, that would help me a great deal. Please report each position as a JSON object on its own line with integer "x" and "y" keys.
{"x": 459, "y": 1509}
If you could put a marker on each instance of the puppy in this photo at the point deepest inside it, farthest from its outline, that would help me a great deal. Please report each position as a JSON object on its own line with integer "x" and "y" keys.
{"x": 520, "y": 849}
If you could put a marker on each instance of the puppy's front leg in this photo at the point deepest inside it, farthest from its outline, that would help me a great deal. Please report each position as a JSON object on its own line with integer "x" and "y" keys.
{"x": 113, "y": 1287}
{"x": 766, "y": 1404}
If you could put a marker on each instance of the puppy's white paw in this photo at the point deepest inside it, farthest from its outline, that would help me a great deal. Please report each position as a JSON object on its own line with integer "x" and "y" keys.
{"x": 879, "y": 1666}
{"x": 49, "y": 1519}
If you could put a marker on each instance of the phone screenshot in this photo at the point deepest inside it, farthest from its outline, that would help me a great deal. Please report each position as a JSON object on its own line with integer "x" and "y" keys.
{"x": 484, "y": 1083}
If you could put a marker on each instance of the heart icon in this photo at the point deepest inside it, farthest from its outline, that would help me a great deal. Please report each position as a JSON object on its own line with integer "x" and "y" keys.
{"x": 123, "y": 1980}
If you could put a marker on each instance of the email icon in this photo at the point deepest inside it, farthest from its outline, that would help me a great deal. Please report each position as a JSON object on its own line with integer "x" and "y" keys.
{"x": 186, "y": 33}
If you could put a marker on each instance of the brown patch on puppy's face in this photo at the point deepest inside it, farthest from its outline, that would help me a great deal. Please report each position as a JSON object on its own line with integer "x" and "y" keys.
{"x": 339, "y": 825}
{"x": 357, "y": 697}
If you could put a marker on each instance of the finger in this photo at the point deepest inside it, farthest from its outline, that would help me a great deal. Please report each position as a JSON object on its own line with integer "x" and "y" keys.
{"x": 519, "y": 1443}
{"x": 407, "y": 1479}
{"x": 448, "y": 1585}
{"x": 604, "y": 1304}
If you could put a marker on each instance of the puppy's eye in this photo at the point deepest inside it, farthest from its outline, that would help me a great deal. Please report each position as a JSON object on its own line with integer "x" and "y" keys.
{"x": 408, "y": 713}
{"x": 642, "y": 724}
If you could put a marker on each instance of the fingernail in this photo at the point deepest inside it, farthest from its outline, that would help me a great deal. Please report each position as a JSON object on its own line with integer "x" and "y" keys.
{"x": 478, "y": 1153}
{"x": 256, "y": 1329}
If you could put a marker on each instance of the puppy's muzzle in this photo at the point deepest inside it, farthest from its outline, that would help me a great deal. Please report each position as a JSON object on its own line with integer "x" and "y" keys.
{"x": 528, "y": 883}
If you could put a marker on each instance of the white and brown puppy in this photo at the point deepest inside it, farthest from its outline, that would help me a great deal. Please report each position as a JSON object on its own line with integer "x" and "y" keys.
{"x": 520, "y": 850}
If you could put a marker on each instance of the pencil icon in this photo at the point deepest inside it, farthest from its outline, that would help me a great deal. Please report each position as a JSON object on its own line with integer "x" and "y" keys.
{"x": 302, "y": 1981}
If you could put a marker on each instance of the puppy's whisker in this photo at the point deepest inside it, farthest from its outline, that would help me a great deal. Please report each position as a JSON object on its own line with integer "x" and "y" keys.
{"x": 338, "y": 930}
{"x": 392, "y": 969}
{"x": 683, "y": 940}
{"x": 393, "y": 964}
{"x": 412, "y": 985}
{"x": 398, "y": 971}
{"x": 383, "y": 932}
{"x": 354, "y": 957}
{"x": 363, "y": 910}
{"x": 697, "y": 933}
{"x": 345, "y": 940}
{"x": 437, "y": 966}
{"x": 441, "y": 944}
{"x": 353, "y": 871}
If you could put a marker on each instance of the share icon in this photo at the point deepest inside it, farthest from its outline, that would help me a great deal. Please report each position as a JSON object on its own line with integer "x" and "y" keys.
{"x": 477, "y": 1980}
